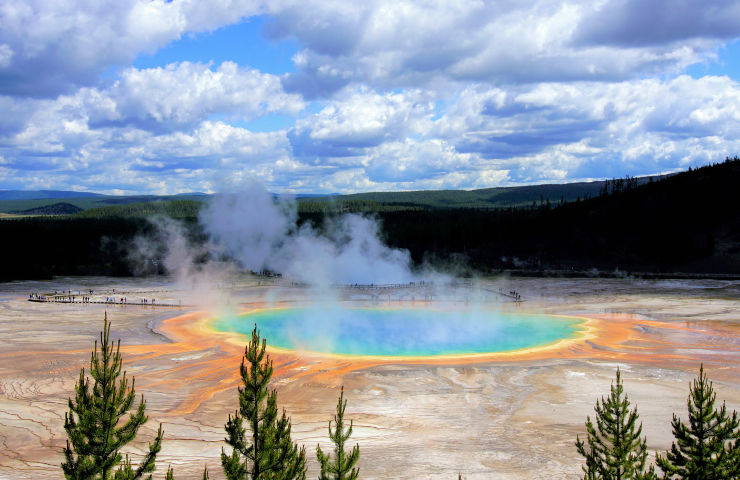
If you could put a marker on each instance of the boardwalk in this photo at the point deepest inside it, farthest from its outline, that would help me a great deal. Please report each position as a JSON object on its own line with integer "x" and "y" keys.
{"x": 97, "y": 300}
{"x": 514, "y": 295}
{"x": 397, "y": 286}
{"x": 424, "y": 290}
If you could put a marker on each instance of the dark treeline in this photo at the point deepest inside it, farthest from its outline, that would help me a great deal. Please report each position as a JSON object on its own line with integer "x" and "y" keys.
{"x": 179, "y": 209}
{"x": 42, "y": 247}
{"x": 688, "y": 222}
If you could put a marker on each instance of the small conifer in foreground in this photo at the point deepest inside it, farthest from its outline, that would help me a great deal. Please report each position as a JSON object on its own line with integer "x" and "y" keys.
{"x": 267, "y": 452}
{"x": 343, "y": 465}
{"x": 613, "y": 448}
{"x": 171, "y": 474}
{"x": 708, "y": 447}
{"x": 95, "y": 424}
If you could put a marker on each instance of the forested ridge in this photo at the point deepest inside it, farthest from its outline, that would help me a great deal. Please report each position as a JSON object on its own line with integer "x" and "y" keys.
{"x": 688, "y": 222}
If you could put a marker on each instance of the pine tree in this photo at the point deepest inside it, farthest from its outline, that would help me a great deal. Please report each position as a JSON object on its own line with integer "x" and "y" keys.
{"x": 171, "y": 474}
{"x": 343, "y": 466}
{"x": 268, "y": 453}
{"x": 613, "y": 449}
{"x": 92, "y": 423}
{"x": 708, "y": 448}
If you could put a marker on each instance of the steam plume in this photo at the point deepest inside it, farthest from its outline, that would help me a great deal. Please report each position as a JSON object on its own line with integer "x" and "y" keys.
{"x": 262, "y": 234}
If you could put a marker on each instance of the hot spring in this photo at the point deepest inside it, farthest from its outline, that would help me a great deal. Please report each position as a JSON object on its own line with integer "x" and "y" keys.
{"x": 401, "y": 332}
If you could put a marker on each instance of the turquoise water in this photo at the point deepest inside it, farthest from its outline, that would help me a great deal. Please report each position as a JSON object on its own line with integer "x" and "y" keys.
{"x": 400, "y": 332}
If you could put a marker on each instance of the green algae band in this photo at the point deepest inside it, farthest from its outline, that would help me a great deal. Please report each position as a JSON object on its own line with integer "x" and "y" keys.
{"x": 400, "y": 332}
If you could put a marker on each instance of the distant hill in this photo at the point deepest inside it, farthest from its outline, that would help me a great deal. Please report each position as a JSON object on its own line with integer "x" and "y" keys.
{"x": 687, "y": 223}
{"x": 39, "y": 194}
{"x": 61, "y": 208}
{"x": 316, "y": 195}
{"x": 181, "y": 209}
{"x": 486, "y": 198}
{"x": 96, "y": 201}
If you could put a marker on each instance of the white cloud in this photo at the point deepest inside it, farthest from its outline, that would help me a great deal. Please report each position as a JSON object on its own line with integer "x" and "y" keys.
{"x": 409, "y": 95}
{"x": 142, "y": 104}
{"x": 635, "y": 22}
{"x": 366, "y": 140}
{"x": 602, "y": 119}
{"x": 184, "y": 93}
{"x": 59, "y": 139}
{"x": 360, "y": 120}
{"x": 222, "y": 143}
{"x": 390, "y": 43}
{"x": 6, "y": 53}
{"x": 59, "y": 45}
{"x": 50, "y": 47}
{"x": 414, "y": 161}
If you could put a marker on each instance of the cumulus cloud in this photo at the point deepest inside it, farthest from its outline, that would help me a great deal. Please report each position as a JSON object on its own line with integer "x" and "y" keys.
{"x": 218, "y": 142}
{"x": 52, "y": 47}
{"x": 156, "y": 121}
{"x": 48, "y": 47}
{"x": 387, "y": 44}
{"x": 60, "y": 144}
{"x": 6, "y": 53}
{"x": 637, "y": 23}
{"x": 185, "y": 93}
{"x": 415, "y": 161}
{"x": 506, "y": 123}
{"x": 501, "y": 123}
{"x": 483, "y": 137}
{"x": 385, "y": 94}
{"x": 363, "y": 119}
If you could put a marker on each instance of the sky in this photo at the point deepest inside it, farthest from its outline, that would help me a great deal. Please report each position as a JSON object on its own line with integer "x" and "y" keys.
{"x": 166, "y": 97}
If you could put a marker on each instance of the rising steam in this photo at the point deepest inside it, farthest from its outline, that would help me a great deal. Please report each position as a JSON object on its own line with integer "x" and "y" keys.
{"x": 250, "y": 229}
{"x": 261, "y": 233}
{"x": 168, "y": 247}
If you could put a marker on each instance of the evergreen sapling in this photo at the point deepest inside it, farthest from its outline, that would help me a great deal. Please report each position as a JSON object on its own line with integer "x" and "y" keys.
{"x": 343, "y": 465}
{"x": 267, "y": 452}
{"x": 613, "y": 449}
{"x": 708, "y": 447}
{"x": 96, "y": 425}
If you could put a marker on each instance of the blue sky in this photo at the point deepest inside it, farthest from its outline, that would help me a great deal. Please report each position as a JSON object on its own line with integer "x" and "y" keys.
{"x": 244, "y": 43}
{"x": 152, "y": 96}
